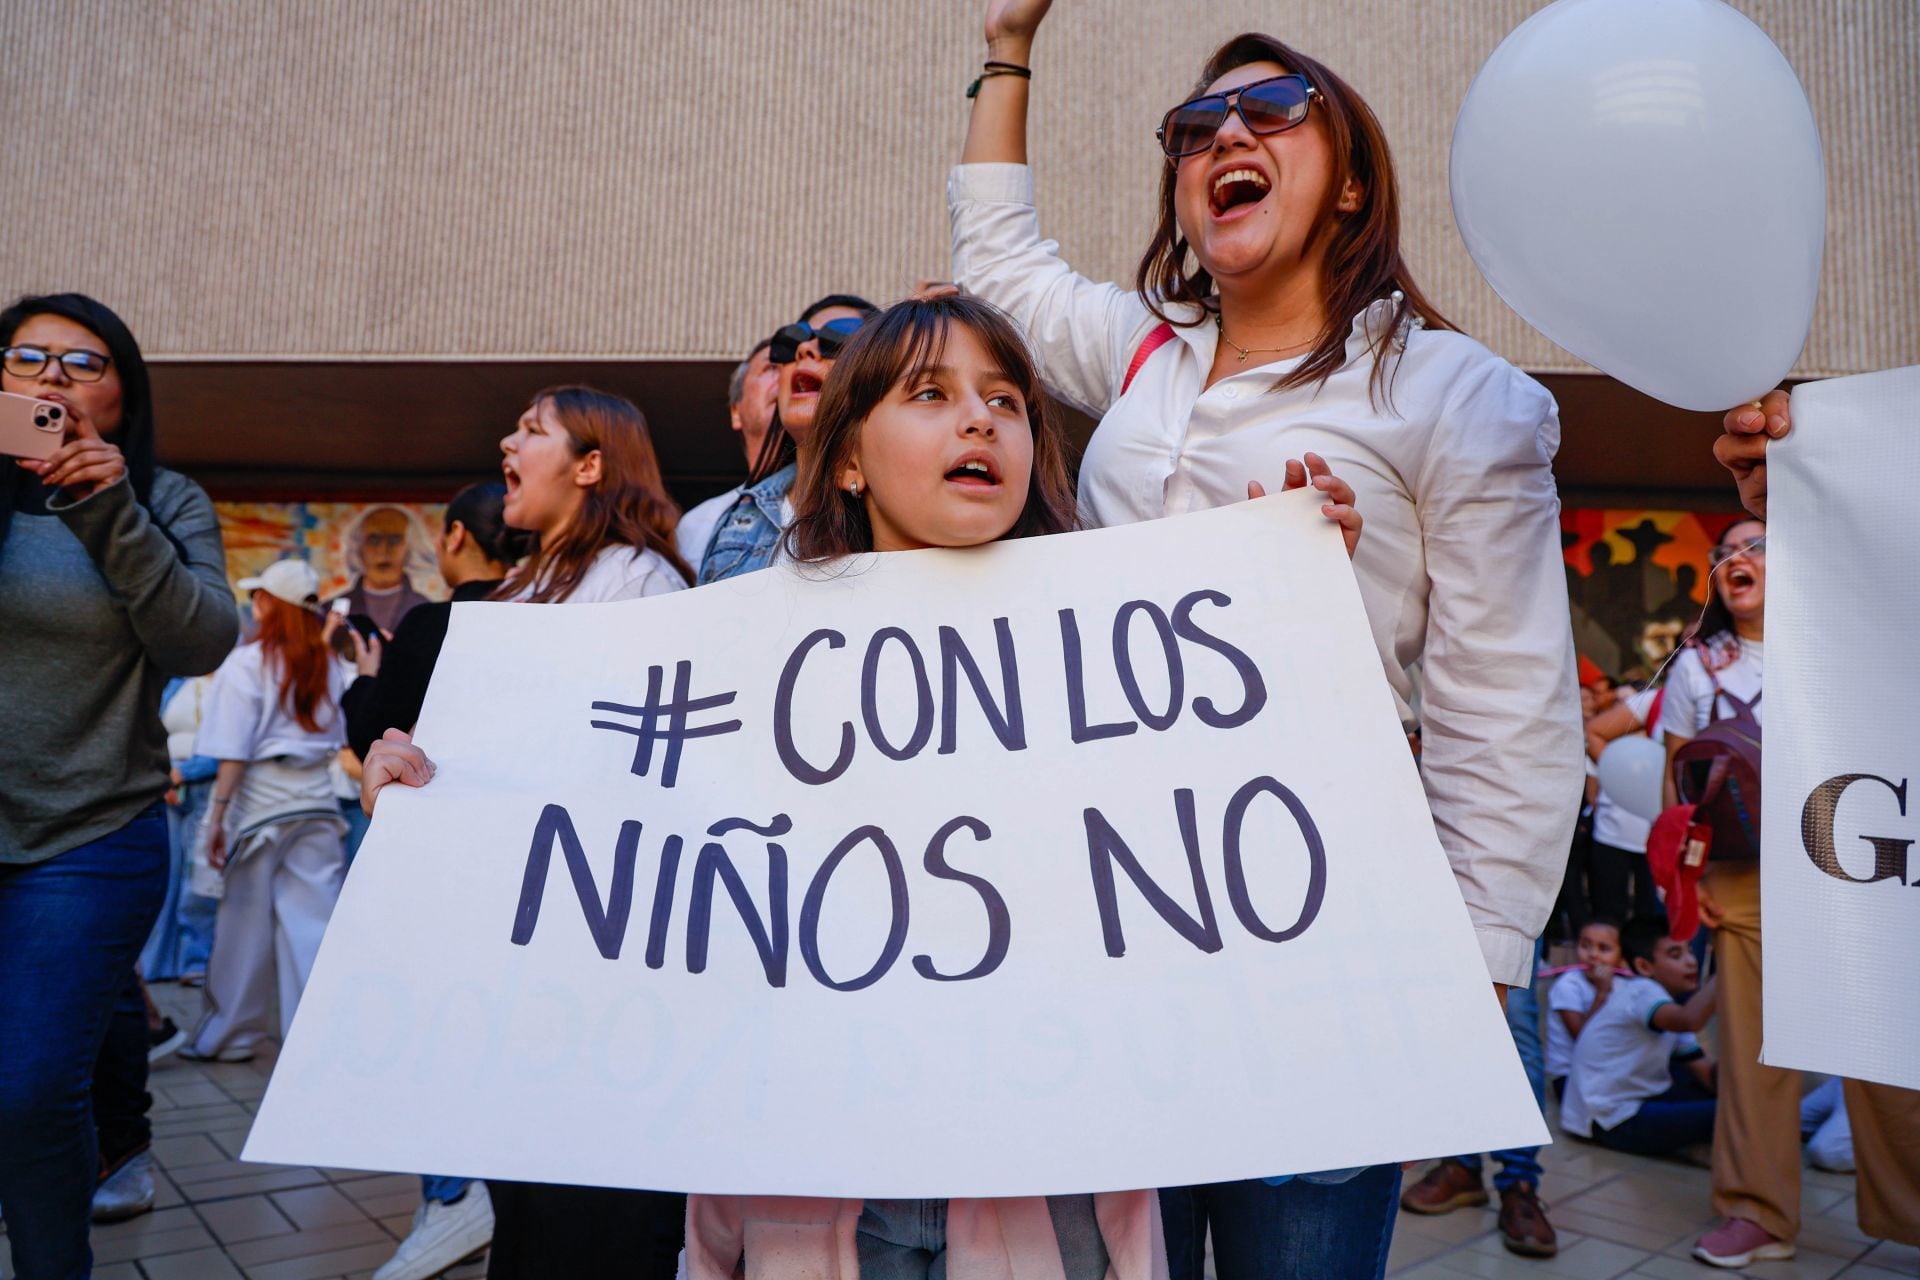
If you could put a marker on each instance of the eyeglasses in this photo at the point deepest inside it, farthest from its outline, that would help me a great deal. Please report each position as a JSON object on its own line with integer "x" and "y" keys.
{"x": 81, "y": 366}
{"x": 832, "y": 336}
{"x": 1266, "y": 107}
{"x": 1752, "y": 547}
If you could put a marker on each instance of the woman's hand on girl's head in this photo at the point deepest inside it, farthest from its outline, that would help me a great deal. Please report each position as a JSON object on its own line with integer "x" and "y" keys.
{"x": 392, "y": 759}
{"x": 85, "y": 464}
{"x": 1339, "y": 506}
{"x": 1742, "y": 449}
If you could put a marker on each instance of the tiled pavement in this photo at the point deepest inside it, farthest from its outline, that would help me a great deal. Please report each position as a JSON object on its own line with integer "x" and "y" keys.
{"x": 219, "y": 1218}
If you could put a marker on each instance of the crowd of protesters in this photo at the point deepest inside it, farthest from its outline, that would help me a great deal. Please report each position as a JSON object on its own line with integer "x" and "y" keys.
{"x": 171, "y": 782}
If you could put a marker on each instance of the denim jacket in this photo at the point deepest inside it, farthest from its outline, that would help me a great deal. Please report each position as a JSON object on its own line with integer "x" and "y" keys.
{"x": 748, "y": 535}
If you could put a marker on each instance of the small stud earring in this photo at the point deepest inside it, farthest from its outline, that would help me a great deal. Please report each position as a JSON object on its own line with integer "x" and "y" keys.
{"x": 853, "y": 487}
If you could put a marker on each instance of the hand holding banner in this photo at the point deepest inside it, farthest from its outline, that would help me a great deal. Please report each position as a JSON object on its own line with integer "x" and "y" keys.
{"x": 1078, "y": 863}
{"x": 1838, "y": 876}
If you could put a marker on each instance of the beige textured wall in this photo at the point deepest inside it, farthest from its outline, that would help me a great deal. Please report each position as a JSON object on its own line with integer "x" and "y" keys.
{"x": 480, "y": 178}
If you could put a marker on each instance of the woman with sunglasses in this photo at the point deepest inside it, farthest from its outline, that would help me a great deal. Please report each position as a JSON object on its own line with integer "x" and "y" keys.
{"x": 1272, "y": 313}
{"x": 112, "y": 580}
{"x": 748, "y": 534}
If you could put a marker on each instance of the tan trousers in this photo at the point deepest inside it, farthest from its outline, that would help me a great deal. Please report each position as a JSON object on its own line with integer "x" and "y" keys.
{"x": 1756, "y": 1136}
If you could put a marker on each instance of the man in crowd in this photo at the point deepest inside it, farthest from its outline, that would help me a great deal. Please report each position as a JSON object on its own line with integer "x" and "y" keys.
{"x": 750, "y": 405}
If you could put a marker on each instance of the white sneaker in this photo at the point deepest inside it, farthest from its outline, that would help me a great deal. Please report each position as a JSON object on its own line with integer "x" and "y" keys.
{"x": 128, "y": 1193}
{"x": 442, "y": 1236}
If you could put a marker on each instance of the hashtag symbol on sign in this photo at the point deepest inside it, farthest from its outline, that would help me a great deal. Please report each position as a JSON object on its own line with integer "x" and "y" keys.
{"x": 658, "y": 721}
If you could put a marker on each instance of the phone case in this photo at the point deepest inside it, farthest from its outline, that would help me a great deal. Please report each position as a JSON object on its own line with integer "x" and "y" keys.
{"x": 30, "y": 428}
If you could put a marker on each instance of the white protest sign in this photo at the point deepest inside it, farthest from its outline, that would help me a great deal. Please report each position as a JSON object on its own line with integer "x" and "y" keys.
{"x": 1839, "y": 879}
{"x": 1080, "y": 863}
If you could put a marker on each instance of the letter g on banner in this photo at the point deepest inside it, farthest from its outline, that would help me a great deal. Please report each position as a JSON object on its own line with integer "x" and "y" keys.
{"x": 1816, "y": 831}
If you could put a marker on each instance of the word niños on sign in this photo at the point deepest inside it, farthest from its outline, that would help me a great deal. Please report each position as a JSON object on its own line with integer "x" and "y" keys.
{"x": 716, "y": 868}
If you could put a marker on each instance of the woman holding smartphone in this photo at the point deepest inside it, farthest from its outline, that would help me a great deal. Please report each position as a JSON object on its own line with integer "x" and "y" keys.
{"x": 1273, "y": 314}
{"x": 582, "y": 477}
{"x": 112, "y": 580}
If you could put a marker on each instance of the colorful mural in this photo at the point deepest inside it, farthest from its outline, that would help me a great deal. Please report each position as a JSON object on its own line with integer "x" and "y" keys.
{"x": 1635, "y": 580}
{"x": 384, "y": 543}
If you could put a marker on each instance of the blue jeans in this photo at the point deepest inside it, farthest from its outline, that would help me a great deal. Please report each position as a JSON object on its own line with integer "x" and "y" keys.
{"x": 182, "y": 937}
{"x": 1680, "y": 1117}
{"x": 1522, "y": 1164}
{"x": 357, "y": 824}
{"x": 1296, "y": 1231}
{"x": 446, "y": 1190}
{"x": 70, "y": 930}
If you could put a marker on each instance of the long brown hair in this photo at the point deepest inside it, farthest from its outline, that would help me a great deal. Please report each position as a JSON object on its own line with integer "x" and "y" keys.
{"x": 1363, "y": 261}
{"x": 901, "y": 344}
{"x": 629, "y": 506}
{"x": 296, "y": 655}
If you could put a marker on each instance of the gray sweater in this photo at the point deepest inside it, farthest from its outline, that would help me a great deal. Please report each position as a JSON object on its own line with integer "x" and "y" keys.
{"x": 98, "y": 608}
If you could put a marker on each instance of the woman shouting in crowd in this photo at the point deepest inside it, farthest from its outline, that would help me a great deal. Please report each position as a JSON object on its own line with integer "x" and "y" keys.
{"x": 1272, "y": 314}
{"x": 748, "y": 534}
{"x": 581, "y": 476}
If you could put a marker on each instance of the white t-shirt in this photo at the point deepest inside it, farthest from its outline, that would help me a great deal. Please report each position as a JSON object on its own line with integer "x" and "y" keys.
{"x": 1689, "y": 705}
{"x": 696, "y": 527}
{"x": 1573, "y": 991}
{"x": 622, "y": 573}
{"x": 1612, "y": 825}
{"x": 245, "y": 718}
{"x": 1620, "y": 1061}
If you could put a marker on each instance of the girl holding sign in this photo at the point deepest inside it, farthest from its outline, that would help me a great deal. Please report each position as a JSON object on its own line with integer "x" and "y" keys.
{"x": 933, "y": 432}
{"x": 1273, "y": 313}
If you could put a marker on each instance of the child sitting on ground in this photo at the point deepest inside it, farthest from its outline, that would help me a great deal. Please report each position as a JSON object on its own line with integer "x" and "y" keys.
{"x": 1574, "y": 994}
{"x": 1640, "y": 1081}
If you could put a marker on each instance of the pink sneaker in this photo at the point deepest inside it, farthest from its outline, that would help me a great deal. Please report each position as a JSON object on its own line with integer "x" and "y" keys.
{"x": 1736, "y": 1243}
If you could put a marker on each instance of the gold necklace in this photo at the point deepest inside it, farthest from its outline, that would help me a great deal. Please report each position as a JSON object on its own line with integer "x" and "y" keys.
{"x": 1220, "y": 326}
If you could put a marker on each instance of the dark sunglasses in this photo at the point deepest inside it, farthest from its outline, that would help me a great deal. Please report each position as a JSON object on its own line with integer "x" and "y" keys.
{"x": 832, "y": 337}
{"x": 1265, "y": 106}
{"x": 81, "y": 366}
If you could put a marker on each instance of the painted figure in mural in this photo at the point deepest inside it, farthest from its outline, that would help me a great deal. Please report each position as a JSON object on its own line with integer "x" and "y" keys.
{"x": 382, "y": 547}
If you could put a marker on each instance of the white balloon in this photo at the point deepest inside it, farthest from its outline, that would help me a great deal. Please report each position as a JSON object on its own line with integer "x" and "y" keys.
{"x": 1632, "y": 769}
{"x": 1642, "y": 181}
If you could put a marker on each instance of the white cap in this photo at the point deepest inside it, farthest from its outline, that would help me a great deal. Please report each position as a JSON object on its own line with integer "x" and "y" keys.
{"x": 291, "y": 580}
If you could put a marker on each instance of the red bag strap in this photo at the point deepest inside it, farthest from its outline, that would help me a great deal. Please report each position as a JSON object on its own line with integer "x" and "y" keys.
{"x": 1152, "y": 343}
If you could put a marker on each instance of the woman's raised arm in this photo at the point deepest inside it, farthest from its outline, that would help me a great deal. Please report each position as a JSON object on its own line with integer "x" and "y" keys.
{"x": 997, "y": 130}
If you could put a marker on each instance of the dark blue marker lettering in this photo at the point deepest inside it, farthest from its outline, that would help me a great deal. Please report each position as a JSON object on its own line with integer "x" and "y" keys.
{"x": 817, "y": 895}
{"x": 1105, "y": 848}
{"x": 999, "y": 923}
{"x": 783, "y": 717}
{"x": 1256, "y": 689}
{"x": 607, "y": 923}
{"x": 1007, "y": 719}
{"x": 1237, "y": 871}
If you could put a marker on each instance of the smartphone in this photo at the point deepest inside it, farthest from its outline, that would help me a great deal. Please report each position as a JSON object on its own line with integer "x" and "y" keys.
{"x": 31, "y": 428}
{"x": 342, "y": 641}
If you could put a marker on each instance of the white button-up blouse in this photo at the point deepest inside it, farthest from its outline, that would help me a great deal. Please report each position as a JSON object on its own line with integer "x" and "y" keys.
{"x": 1460, "y": 566}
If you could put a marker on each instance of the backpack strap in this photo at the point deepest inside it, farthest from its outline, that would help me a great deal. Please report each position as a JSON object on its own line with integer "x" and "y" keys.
{"x": 1150, "y": 344}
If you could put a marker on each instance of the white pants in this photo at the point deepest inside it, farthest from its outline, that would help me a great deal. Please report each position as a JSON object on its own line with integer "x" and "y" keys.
{"x": 278, "y": 900}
